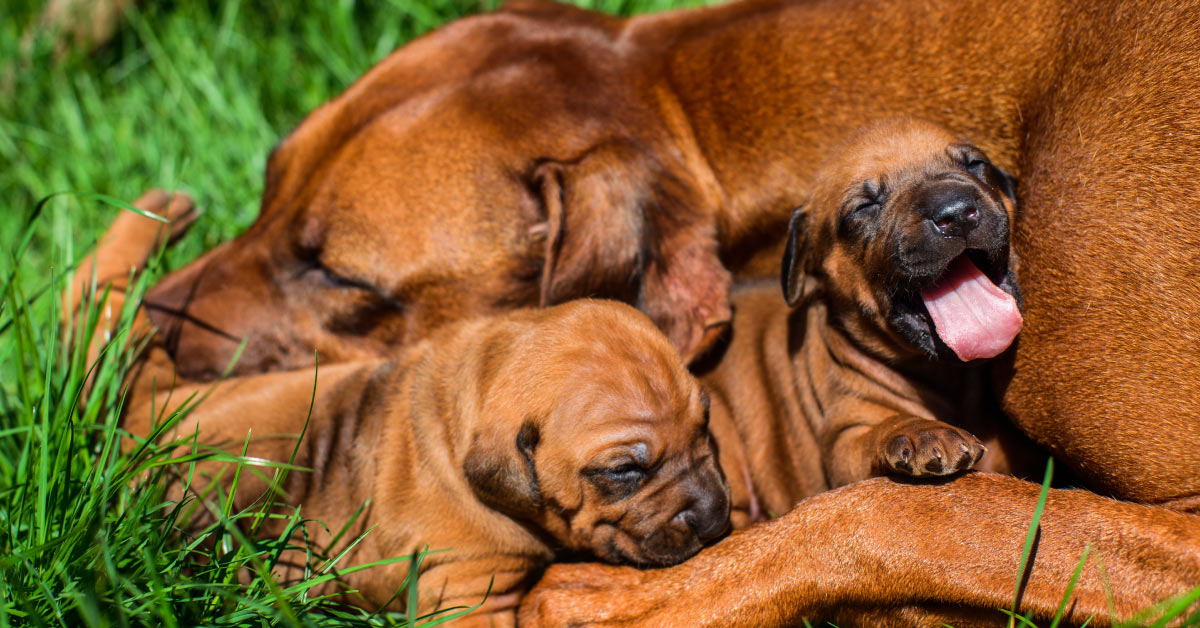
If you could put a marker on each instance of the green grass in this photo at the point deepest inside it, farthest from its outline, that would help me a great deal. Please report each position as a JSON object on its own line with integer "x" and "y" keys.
{"x": 88, "y": 536}
{"x": 189, "y": 95}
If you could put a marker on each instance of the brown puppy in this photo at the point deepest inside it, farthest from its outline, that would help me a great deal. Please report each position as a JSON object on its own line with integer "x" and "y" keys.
{"x": 885, "y": 264}
{"x": 855, "y": 381}
{"x": 509, "y": 439}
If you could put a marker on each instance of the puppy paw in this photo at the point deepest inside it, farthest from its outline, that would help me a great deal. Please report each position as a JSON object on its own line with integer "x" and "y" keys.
{"x": 925, "y": 448}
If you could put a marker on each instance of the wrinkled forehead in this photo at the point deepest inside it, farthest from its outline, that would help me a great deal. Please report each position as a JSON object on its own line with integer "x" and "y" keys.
{"x": 623, "y": 407}
{"x": 612, "y": 373}
{"x": 897, "y": 151}
{"x": 423, "y": 188}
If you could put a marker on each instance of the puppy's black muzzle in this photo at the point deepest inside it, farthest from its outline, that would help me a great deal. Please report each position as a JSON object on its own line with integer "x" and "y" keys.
{"x": 947, "y": 217}
{"x": 707, "y": 515}
{"x": 952, "y": 215}
{"x": 952, "y": 207}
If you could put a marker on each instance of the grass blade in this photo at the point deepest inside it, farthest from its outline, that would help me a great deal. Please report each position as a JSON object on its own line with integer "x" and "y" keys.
{"x": 1062, "y": 606}
{"x": 1029, "y": 538}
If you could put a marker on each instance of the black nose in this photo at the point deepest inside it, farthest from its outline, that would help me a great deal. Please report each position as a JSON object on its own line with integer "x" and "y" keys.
{"x": 708, "y": 515}
{"x": 953, "y": 210}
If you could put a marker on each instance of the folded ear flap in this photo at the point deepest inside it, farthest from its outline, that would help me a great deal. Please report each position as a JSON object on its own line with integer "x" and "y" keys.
{"x": 1008, "y": 183}
{"x": 685, "y": 287}
{"x": 798, "y": 284}
{"x": 501, "y": 472}
{"x": 592, "y": 238}
{"x": 624, "y": 226}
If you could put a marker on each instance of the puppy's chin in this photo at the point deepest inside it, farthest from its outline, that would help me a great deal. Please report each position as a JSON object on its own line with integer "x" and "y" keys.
{"x": 911, "y": 319}
{"x": 664, "y": 548}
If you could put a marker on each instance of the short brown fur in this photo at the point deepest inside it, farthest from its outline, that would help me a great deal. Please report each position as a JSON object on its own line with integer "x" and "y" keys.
{"x": 426, "y": 186}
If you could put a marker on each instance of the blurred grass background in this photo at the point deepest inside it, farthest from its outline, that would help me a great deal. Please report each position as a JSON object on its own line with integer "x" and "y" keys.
{"x": 189, "y": 95}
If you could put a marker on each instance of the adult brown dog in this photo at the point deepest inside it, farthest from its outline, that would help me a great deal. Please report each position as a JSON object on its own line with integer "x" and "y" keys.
{"x": 497, "y": 152}
{"x": 511, "y": 439}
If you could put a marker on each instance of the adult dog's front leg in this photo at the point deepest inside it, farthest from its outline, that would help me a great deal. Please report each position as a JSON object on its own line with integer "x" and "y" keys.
{"x": 908, "y": 550}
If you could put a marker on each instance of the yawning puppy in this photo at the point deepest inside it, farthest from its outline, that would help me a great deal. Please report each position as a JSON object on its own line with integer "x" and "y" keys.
{"x": 899, "y": 283}
{"x": 509, "y": 439}
{"x": 902, "y": 257}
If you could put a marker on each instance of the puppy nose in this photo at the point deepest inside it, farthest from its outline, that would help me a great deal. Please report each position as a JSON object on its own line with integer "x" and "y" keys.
{"x": 707, "y": 516}
{"x": 955, "y": 215}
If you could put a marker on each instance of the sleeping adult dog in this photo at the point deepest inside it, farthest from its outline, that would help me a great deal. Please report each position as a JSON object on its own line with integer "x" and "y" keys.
{"x": 543, "y": 153}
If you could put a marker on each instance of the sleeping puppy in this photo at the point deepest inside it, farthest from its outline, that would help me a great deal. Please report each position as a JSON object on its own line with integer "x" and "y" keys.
{"x": 899, "y": 277}
{"x": 511, "y": 440}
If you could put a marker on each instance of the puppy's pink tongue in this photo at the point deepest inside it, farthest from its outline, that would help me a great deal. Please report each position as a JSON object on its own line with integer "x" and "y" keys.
{"x": 972, "y": 316}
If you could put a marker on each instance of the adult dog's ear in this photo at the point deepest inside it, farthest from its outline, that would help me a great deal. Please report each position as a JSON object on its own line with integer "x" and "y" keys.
{"x": 501, "y": 471}
{"x": 797, "y": 282}
{"x": 622, "y": 225}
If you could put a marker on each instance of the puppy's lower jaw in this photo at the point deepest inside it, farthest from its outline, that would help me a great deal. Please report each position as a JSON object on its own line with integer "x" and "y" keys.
{"x": 662, "y": 549}
{"x": 972, "y": 316}
{"x": 965, "y": 314}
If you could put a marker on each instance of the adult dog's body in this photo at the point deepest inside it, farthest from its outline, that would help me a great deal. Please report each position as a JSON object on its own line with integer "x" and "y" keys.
{"x": 508, "y": 439}
{"x": 544, "y": 153}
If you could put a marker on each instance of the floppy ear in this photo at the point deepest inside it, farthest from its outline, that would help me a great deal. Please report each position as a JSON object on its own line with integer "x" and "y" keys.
{"x": 501, "y": 472}
{"x": 592, "y": 244}
{"x": 624, "y": 226}
{"x": 798, "y": 284}
{"x": 1008, "y": 183}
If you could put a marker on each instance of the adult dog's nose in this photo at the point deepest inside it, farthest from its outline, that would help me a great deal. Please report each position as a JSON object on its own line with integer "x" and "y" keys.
{"x": 953, "y": 209}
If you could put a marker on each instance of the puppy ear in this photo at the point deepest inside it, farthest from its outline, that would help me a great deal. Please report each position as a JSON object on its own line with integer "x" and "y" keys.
{"x": 624, "y": 226}
{"x": 797, "y": 283}
{"x": 502, "y": 473}
{"x": 1008, "y": 184}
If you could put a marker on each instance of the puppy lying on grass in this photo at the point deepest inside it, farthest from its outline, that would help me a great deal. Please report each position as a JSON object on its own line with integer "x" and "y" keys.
{"x": 899, "y": 275}
{"x": 509, "y": 440}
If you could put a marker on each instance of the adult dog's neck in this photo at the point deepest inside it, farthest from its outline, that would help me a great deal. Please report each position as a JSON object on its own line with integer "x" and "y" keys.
{"x": 769, "y": 87}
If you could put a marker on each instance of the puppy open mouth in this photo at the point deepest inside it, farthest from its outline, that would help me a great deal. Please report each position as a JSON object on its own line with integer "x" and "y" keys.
{"x": 972, "y": 315}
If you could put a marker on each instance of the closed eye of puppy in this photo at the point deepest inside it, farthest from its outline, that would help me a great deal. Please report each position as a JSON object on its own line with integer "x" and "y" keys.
{"x": 902, "y": 257}
{"x": 511, "y": 440}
